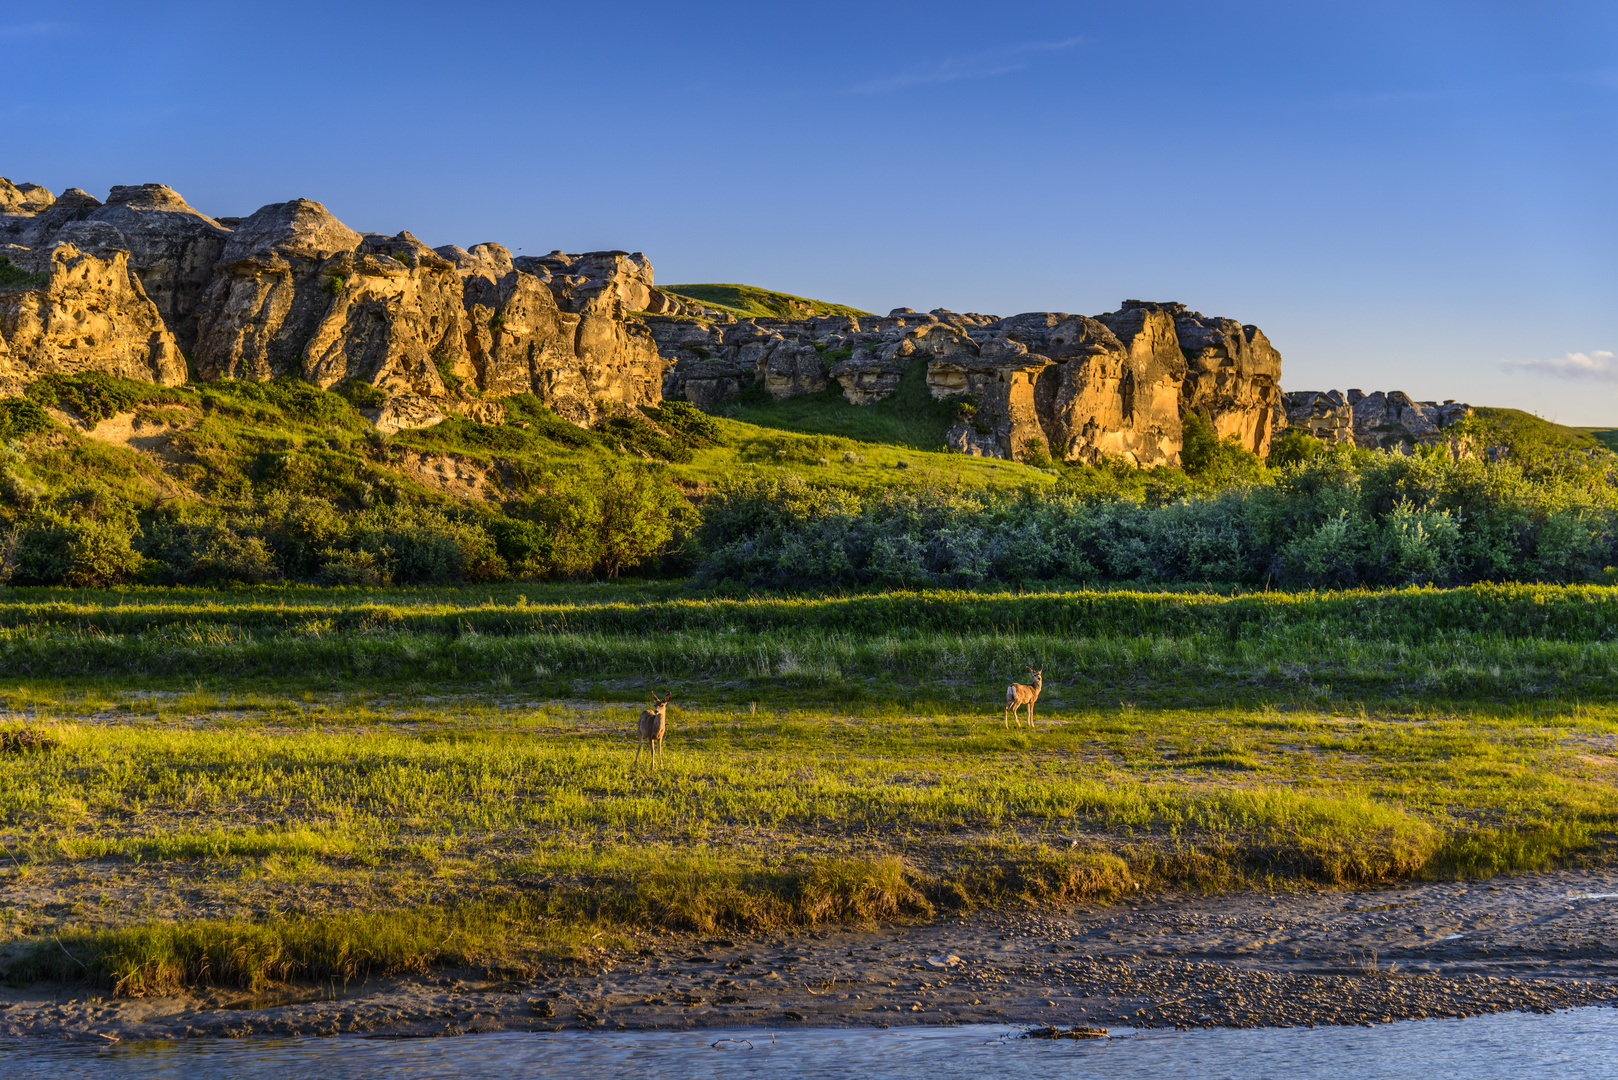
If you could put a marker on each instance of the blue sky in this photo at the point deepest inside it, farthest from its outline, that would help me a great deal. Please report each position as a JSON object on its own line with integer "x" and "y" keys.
{"x": 1413, "y": 196}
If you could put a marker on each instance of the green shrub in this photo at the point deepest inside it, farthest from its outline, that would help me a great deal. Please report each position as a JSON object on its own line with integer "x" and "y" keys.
{"x": 625, "y": 516}
{"x": 632, "y": 432}
{"x": 189, "y": 553}
{"x": 360, "y": 394}
{"x": 526, "y": 546}
{"x": 93, "y": 395}
{"x": 1294, "y": 447}
{"x": 21, "y": 417}
{"x": 293, "y": 397}
{"x": 1214, "y": 461}
{"x": 687, "y": 423}
{"x": 15, "y": 277}
{"x": 55, "y": 550}
{"x": 1343, "y": 519}
{"x": 343, "y": 566}
{"x": 422, "y": 546}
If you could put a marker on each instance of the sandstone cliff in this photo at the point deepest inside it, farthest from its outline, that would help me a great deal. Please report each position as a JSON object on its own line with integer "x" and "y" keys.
{"x": 1115, "y": 385}
{"x": 89, "y": 314}
{"x": 291, "y": 290}
{"x": 127, "y": 284}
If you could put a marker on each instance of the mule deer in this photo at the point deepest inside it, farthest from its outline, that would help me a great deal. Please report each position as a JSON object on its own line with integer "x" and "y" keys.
{"x": 1020, "y": 694}
{"x": 653, "y": 722}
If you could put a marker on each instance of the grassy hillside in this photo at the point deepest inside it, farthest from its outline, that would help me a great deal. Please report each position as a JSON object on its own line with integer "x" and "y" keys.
{"x": 108, "y": 480}
{"x": 1532, "y": 438}
{"x": 750, "y": 302}
{"x": 1606, "y": 436}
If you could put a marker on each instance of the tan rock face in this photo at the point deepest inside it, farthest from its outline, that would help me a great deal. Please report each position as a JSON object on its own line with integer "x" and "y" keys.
{"x": 268, "y": 295}
{"x": 1327, "y": 416}
{"x": 1233, "y": 377}
{"x": 1393, "y": 421}
{"x": 92, "y": 315}
{"x": 394, "y": 319}
{"x": 291, "y": 290}
{"x": 794, "y": 368}
{"x": 23, "y": 198}
{"x": 1113, "y": 399}
{"x": 172, "y": 249}
{"x": 1115, "y": 385}
{"x": 534, "y": 331}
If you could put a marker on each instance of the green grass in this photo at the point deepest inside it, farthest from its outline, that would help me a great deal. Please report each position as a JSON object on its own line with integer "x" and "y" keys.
{"x": 468, "y": 830}
{"x": 1606, "y": 436}
{"x": 751, "y": 302}
{"x": 1530, "y": 438}
{"x": 909, "y": 417}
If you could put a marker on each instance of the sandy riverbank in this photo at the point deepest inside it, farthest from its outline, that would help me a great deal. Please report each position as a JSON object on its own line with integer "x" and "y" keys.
{"x": 1429, "y": 950}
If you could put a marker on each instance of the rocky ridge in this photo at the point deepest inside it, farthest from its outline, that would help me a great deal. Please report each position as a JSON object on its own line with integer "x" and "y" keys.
{"x": 1115, "y": 385}
{"x": 145, "y": 286}
{"x": 1377, "y": 421}
{"x": 138, "y": 284}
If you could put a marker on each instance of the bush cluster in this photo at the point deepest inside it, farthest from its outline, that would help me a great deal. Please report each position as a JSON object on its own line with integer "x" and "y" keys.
{"x": 1338, "y": 519}
{"x": 599, "y": 522}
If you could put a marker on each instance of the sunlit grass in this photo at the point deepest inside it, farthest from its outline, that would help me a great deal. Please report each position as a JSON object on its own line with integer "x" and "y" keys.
{"x": 213, "y": 800}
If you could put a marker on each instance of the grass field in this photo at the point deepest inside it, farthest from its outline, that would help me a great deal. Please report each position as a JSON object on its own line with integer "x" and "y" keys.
{"x": 213, "y": 787}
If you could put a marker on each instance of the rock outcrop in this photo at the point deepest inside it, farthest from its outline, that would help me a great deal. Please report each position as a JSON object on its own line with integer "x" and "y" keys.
{"x": 90, "y": 314}
{"x": 1392, "y": 421}
{"x": 125, "y": 285}
{"x": 1084, "y": 388}
{"x": 566, "y": 338}
{"x": 291, "y": 290}
{"x": 171, "y": 247}
{"x": 1380, "y": 421}
{"x": 1326, "y": 415}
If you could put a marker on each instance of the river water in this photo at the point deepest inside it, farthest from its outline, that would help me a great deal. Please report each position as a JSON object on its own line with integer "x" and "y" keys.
{"x": 1575, "y": 1043}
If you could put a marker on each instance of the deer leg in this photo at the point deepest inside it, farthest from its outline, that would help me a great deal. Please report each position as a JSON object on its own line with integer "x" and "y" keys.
{"x": 1030, "y": 716}
{"x": 638, "y": 747}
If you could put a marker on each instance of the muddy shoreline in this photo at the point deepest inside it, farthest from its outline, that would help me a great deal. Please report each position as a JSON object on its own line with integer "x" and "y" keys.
{"x": 1449, "y": 949}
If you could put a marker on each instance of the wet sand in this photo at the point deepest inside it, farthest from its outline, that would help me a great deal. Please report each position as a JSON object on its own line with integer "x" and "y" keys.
{"x": 1449, "y": 949}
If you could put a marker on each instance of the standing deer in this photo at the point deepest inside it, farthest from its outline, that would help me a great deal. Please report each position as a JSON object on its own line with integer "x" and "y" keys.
{"x": 1020, "y": 694}
{"x": 653, "y": 722}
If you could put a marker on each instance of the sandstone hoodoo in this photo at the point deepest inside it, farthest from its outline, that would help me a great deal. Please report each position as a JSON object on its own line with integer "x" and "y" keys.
{"x": 143, "y": 283}
{"x": 137, "y": 285}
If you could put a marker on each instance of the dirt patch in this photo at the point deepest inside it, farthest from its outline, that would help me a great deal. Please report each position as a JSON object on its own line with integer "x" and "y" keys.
{"x": 450, "y": 474}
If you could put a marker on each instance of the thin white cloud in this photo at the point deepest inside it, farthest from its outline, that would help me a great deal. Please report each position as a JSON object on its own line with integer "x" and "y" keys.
{"x": 13, "y": 31}
{"x": 1597, "y": 365}
{"x": 982, "y": 66}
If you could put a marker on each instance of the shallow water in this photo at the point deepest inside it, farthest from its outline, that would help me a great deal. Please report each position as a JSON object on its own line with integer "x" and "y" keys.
{"x": 1579, "y": 1042}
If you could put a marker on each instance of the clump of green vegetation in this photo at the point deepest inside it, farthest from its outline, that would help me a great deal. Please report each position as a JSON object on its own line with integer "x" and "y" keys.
{"x": 15, "y": 277}
{"x": 360, "y": 394}
{"x": 750, "y": 302}
{"x": 1294, "y": 447}
{"x": 1214, "y": 461}
{"x": 1345, "y": 519}
{"x": 96, "y": 395}
{"x": 21, "y": 417}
